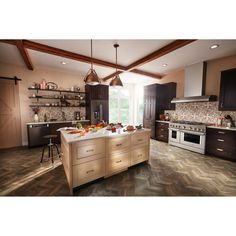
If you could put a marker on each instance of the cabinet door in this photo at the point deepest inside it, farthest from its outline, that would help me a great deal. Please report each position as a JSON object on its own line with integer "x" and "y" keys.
{"x": 227, "y": 99}
{"x": 97, "y": 92}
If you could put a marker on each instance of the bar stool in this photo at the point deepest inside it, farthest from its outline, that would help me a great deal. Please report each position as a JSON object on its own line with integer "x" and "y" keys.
{"x": 50, "y": 146}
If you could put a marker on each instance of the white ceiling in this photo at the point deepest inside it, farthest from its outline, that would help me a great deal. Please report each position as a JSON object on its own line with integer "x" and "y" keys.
{"x": 192, "y": 53}
{"x": 128, "y": 52}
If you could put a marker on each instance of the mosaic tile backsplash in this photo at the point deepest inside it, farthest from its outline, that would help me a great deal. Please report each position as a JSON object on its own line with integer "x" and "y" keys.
{"x": 56, "y": 113}
{"x": 205, "y": 112}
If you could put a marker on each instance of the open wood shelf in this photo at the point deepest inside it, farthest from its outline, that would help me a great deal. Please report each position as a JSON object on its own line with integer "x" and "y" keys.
{"x": 39, "y": 97}
{"x": 56, "y": 90}
{"x": 55, "y": 106}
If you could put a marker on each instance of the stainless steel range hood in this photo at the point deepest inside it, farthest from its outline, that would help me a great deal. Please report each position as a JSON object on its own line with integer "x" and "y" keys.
{"x": 194, "y": 85}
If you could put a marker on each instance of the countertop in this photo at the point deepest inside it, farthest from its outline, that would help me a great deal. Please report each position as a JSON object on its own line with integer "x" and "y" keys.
{"x": 221, "y": 127}
{"x": 102, "y": 133}
{"x": 163, "y": 121}
{"x": 55, "y": 122}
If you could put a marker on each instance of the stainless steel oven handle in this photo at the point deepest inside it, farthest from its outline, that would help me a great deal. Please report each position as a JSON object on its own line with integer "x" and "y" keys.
{"x": 174, "y": 129}
{"x": 190, "y": 132}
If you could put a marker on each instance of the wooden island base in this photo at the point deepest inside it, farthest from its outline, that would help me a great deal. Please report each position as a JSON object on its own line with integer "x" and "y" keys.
{"x": 90, "y": 158}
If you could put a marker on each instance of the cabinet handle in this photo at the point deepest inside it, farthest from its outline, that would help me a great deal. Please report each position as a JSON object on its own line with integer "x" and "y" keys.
{"x": 119, "y": 161}
{"x": 119, "y": 144}
{"x": 90, "y": 150}
{"x": 161, "y": 135}
{"x": 220, "y": 149}
{"x": 220, "y": 140}
{"x": 140, "y": 140}
{"x": 140, "y": 155}
{"x": 89, "y": 171}
{"x": 162, "y": 129}
{"x": 221, "y": 132}
{"x": 221, "y": 105}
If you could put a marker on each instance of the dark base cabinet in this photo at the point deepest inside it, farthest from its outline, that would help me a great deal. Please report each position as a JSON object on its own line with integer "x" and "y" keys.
{"x": 37, "y": 131}
{"x": 221, "y": 143}
{"x": 162, "y": 131}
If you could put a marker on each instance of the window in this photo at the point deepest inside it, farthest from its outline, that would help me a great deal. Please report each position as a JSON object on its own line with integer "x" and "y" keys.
{"x": 126, "y": 104}
{"x": 119, "y": 104}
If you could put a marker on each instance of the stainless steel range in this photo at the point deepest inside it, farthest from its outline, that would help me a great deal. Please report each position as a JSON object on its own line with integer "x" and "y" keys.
{"x": 188, "y": 135}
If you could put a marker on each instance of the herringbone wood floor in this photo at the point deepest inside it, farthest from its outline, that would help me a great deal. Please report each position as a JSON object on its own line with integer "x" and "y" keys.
{"x": 171, "y": 172}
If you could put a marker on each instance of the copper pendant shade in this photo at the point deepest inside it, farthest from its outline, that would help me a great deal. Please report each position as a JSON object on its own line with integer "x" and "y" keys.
{"x": 92, "y": 78}
{"x": 116, "y": 81}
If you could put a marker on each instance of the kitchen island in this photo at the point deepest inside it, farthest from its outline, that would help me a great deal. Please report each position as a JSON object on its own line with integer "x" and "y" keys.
{"x": 102, "y": 154}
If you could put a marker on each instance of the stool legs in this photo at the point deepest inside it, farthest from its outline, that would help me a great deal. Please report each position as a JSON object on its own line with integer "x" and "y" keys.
{"x": 57, "y": 150}
{"x": 42, "y": 155}
{"x": 50, "y": 147}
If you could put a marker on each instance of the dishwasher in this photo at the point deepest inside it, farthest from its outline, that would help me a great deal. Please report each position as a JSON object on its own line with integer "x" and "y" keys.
{"x": 36, "y": 133}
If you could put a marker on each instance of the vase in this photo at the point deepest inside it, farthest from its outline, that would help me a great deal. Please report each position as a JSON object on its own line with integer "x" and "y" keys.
{"x": 36, "y": 118}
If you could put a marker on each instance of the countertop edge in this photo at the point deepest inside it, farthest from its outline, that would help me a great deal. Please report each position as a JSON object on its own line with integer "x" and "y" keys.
{"x": 55, "y": 122}
{"x": 223, "y": 128}
{"x": 163, "y": 121}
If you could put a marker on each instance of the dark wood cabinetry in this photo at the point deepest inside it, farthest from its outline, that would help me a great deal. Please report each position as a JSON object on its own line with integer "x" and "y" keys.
{"x": 221, "y": 143}
{"x": 162, "y": 131}
{"x": 97, "y": 92}
{"x": 97, "y": 103}
{"x": 227, "y": 98}
{"x": 165, "y": 93}
{"x": 157, "y": 98}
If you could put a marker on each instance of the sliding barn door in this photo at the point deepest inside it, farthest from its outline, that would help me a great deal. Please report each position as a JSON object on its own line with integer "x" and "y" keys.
{"x": 10, "y": 122}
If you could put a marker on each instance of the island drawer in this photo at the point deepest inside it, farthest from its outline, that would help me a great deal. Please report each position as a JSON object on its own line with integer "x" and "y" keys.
{"x": 118, "y": 143}
{"x": 97, "y": 148}
{"x": 95, "y": 141}
{"x": 139, "y": 138}
{"x": 87, "y": 172}
{"x": 139, "y": 155}
{"x": 117, "y": 162}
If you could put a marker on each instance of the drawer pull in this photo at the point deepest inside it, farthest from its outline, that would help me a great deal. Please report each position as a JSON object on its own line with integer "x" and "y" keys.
{"x": 89, "y": 171}
{"x": 220, "y": 140}
{"x": 140, "y": 140}
{"x": 161, "y": 135}
{"x": 162, "y": 129}
{"x": 90, "y": 150}
{"x": 220, "y": 149}
{"x": 119, "y": 144}
{"x": 118, "y": 161}
{"x": 140, "y": 155}
{"x": 221, "y": 132}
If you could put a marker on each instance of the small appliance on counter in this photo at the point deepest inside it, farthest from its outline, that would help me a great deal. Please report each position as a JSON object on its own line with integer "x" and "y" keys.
{"x": 77, "y": 115}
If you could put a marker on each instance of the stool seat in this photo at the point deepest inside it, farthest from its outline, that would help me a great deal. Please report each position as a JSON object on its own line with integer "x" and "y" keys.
{"x": 50, "y": 136}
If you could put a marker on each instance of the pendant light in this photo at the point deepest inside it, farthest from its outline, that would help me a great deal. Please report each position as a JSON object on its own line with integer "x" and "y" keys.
{"x": 91, "y": 77}
{"x": 116, "y": 81}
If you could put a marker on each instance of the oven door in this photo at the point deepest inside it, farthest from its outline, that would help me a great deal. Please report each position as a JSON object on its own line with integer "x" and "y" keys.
{"x": 193, "y": 139}
{"x": 174, "y": 136}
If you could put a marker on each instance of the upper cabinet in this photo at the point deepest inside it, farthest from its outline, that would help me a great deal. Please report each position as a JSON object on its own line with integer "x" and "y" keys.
{"x": 165, "y": 93}
{"x": 227, "y": 98}
{"x": 97, "y": 92}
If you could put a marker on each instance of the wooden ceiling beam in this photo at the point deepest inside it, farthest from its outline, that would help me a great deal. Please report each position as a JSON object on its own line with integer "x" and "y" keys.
{"x": 159, "y": 53}
{"x": 24, "y": 54}
{"x": 9, "y": 41}
{"x": 153, "y": 75}
{"x": 67, "y": 54}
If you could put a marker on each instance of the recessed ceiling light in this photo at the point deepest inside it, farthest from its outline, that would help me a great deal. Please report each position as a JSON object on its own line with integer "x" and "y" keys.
{"x": 214, "y": 46}
{"x": 164, "y": 65}
{"x": 63, "y": 63}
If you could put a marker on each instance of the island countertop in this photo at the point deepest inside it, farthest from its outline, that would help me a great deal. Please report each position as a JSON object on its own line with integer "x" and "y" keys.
{"x": 101, "y": 133}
